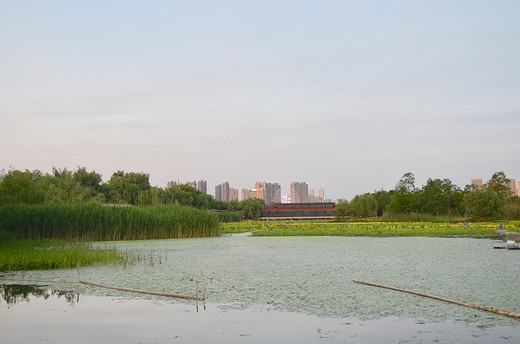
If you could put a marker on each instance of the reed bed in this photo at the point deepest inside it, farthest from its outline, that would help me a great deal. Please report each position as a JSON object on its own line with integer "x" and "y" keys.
{"x": 51, "y": 254}
{"x": 92, "y": 222}
{"x": 373, "y": 229}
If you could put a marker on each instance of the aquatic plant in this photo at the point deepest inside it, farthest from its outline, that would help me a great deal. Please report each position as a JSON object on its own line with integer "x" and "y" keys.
{"x": 51, "y": 254}
{"x": 93, "y": 222}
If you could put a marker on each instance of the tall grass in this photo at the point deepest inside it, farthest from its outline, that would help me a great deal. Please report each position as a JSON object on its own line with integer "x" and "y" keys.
{"x": 51, "y": 254}
{"x": 91, "y": 222}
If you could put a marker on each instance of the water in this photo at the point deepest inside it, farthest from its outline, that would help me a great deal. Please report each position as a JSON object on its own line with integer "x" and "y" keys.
{"x": 285, "y": 289}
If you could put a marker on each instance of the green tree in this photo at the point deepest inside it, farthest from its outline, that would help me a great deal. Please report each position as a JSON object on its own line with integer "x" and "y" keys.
{"x": 233, "y": 205}
{"x": 88, "y": 180}
{"x": 23, "y": 187}
{"x": 364, "y": 206}
{"x": 499, "y": 184}
{"x": 125, "y": 188}
{"x": 383, "y": 199}
{"x": 482, "y": 204}
{"x": 342, "y": 209}
{"x": 404, "y": 199}
{"x": 439, "y": 196}
{"x": 252, "y": 208}
{"x": 513, "y": 208}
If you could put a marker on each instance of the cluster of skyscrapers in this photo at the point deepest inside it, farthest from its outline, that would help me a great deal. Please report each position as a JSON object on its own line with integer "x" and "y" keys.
{"x": 301, "y": 193}
{"x": 514, "y": 185}
{"x": 225, "y": 193}
{"x": 269, "y": 192}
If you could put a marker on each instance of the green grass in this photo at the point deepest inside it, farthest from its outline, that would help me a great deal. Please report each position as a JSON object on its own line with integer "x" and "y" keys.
{"x": 373, "y": 229}
{"x": 51, "y": 254}
{"x": 90, "y": 222}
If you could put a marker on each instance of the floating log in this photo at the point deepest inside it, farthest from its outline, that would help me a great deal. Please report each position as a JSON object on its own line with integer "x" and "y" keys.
{"x": 487, "y": 309}
{"x": 142, "y": 291}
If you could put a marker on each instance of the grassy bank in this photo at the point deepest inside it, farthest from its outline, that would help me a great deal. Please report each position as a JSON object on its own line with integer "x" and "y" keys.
{"x": 374, "y": 229}
{"x": 90, "y": 222}
{"x": 51, "y": 254}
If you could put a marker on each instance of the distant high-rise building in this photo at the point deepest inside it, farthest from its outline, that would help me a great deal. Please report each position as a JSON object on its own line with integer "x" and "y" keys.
{"x": 218, "y": 192}
{"x": 322, "y": 195}
{"x": 172, "y": 184}
{"x": 513, "y": 187}
{"x": 233, "y": 194}
{"x": 223, "y": 192}
{"x": 202, "y": 186}
{"x": 248, "y": 193}
{"x": 269, "y": 192}
{"x": 299, "y": 192}
{"x": 477, "y": 183}
{"x": 311, "y": 198}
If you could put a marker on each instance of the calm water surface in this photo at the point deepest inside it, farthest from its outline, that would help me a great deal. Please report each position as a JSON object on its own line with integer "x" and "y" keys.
{"x": 276, "y": 290}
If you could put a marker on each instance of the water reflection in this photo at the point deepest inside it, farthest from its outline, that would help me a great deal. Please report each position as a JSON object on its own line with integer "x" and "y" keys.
{"x": 17, "y": 293}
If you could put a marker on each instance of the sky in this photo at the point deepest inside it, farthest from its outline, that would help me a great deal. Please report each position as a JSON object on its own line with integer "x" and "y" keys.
{"x": 343, "y": 95}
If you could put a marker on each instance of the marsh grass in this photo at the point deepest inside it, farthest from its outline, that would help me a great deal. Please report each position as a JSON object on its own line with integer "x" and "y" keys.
{"x": 91, "y": 222}
{"x": 372, "y": 229}
{"x": 52, "y": 254}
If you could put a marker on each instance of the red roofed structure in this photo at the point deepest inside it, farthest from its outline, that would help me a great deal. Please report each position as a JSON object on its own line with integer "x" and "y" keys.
{"x": 299, "y": 211}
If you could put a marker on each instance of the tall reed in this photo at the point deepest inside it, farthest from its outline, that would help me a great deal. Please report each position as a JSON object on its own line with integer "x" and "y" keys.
{"x": 92, "y": 222}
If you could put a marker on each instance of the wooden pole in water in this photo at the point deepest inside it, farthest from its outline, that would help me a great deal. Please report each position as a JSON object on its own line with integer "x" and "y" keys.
{"x": 487, "y": 309}
{"x": 139, "y": 291}
{"x": 204, "y": 294}
{"x": 142, "y": 291}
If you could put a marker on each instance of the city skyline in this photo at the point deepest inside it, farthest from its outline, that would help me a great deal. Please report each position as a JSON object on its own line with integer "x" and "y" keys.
{"x": 274, "y": 191}
{"x": 268, "y": 191}
{"x": 345, "y": 95}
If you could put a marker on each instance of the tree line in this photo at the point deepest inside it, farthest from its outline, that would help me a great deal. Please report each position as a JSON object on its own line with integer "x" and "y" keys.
{"x": 438, "y": 197}
{"x": 64, "y": 186}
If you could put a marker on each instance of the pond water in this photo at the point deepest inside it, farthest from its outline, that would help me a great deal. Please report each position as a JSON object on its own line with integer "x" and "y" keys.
{"x": 280, "y": 289}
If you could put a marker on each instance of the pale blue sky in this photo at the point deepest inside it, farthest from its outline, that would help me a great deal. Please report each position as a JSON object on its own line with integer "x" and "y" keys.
{"x": 344, "y": 95}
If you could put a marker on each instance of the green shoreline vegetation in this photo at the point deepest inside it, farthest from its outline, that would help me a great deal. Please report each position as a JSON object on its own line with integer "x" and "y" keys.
{"x": 18, "y": 255}
{"x": 93, "y": 222}
{"x": 371, "y": 229}
{"x": 48, "y": 220}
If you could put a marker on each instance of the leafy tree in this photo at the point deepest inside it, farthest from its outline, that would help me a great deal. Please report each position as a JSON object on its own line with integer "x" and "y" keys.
{"x": 233, "y": 205}
{"x": 252, "y": 208}
{"x": 365, "y": 205}
{"x": 125, "y": 187}
{"x": 513, "y": 208}
{"x": 185, "y": 195}
{"x": 499, "y": 184}
{"x": 439, "y": 197}
{"x": 482, "y": 204}
{"x": 90, "y": 180}
{"x": 404, "y": 198}
{"x": 342, "y": 209}
{"x": 383, "y": 199}
{"x": 23, "y": 187}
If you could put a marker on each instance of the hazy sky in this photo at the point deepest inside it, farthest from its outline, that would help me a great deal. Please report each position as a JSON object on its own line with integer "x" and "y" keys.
{"x": 343, "y": 95}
